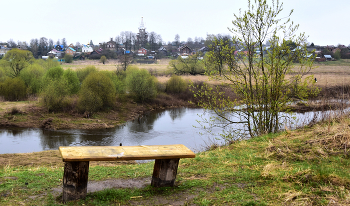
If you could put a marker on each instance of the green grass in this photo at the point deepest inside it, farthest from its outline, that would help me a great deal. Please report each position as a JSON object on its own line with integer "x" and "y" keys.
{"x": 302, "y": 167}
{"x": 340, "y": 62}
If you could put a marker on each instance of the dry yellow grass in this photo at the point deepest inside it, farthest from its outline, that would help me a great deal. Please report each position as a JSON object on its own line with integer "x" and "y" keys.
{"x": 160, "y": 66}
{"x": 197, "y": 78}
{"x": 6, "y": 106}
{"x": 327, "y": 75}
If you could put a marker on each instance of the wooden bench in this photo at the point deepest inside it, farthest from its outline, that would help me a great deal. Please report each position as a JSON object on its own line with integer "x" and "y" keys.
{"x": 76, "y": 167}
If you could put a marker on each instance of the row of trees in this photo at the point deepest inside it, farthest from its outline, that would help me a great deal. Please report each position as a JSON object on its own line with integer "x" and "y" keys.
{"x": 38, "y": 47}
{"x": 131, "y": 42}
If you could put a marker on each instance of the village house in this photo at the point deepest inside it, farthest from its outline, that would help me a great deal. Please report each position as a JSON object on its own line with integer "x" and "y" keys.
{"x": 4, "y": 49}
{"x": 185, "y": 50}
{"x": 142, "y": 52}
{"x": 203, "y": 50}
{"x": 331, "y": 48}
{"x": 54, "y": 53}
{"x": 59, "y": 47}
{"x": 70, "y": 51}
{"x": 162, "y": 51}
{"x": 96, "y": 52}
{"x": 328, "y": 57}
{"x": 86, "y": 49}
{"x": 112, "y": 45}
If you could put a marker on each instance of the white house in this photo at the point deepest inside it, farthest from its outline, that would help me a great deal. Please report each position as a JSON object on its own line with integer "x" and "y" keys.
{"x": 87, "y": 48}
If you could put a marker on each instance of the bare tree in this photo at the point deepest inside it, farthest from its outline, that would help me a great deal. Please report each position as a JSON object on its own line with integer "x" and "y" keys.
{"x": 34, "y": 47}
{"x": 50, "y": 44}
{"x": 125, "y": 60}
{"x": 189, "y": 42}
{"x": 11, "y": 43}
{"x": 64, "y": 42}
{"x": 177, "y": 40}
{"x": 43, "y": 46}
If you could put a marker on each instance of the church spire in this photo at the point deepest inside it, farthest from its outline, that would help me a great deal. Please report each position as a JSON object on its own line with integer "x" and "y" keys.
{"x": 142, "y": 26}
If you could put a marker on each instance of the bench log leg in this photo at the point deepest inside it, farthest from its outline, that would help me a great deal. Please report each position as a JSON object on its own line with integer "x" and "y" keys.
{"x": 75, "y": 179}
{"x": 164, "y": 172}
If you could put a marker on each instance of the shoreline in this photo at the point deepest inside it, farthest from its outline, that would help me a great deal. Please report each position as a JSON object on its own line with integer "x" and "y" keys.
{"x": 31, "y": 115}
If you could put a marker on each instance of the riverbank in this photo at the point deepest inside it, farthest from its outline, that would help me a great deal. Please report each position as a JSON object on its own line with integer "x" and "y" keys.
{"x": 30, "y": 114}
{"x": 308, "y": 166}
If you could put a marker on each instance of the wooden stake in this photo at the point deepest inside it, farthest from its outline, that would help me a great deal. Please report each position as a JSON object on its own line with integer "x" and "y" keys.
{"x": 75, "y": 179}
{"x": 164, "y": 172}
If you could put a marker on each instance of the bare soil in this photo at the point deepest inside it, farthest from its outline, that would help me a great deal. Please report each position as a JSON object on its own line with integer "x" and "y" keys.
{"x": 49, "y": 158}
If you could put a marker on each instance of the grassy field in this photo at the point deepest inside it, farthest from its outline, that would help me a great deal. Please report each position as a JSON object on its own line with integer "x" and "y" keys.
{"x": 309, "y": 166}
{"x": 329, "y": 73}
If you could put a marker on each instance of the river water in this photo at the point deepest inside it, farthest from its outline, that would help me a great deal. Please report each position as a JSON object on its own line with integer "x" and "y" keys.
{"x": 172, "y": 126}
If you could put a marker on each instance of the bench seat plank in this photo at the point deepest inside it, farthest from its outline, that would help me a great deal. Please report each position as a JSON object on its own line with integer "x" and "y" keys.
{"x": 116, "y": 153}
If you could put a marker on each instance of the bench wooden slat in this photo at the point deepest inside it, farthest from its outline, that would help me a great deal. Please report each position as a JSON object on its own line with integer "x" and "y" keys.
{"x": 113, "y": 153}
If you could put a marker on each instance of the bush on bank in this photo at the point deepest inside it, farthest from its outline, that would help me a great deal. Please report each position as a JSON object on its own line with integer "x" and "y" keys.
{"x": 141, "y": 85}
{"x": 176, "y": 84}
{"x": 32, "y": 76}
{"x": 72, "y": 80}
{"x": 83, "y": 73}
{"x": 97, "y": 92}
{"x": 54, "y": 94}
{"x": 118, "y": 81}
{"x": 13, "y": 89}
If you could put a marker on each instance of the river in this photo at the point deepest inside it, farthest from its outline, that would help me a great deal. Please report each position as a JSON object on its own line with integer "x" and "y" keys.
{"x": 172, "y": 126}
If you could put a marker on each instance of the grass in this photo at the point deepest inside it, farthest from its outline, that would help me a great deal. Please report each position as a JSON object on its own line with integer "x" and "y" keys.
{"x": 327, "y": 73}
{"x": 309, "y": 166}
{"x": 340, "y": 62}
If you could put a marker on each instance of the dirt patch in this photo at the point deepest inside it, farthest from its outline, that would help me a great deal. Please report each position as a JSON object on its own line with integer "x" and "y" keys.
{"x": 95, "y": 186}
{"x": 50, "y": 158}
{"x": 181, "y": 198}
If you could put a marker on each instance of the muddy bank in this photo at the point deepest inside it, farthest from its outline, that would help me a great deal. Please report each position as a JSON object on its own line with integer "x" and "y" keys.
{"x": 32, "y": 115}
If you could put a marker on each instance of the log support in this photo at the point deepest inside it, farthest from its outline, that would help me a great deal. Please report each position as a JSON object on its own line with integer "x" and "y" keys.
{"x": 75, "y": 179}
{"x": 164, "y": 172}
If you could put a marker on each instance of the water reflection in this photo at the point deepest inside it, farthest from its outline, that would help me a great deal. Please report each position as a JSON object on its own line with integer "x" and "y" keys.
{"x": 177, "y": 113}
{"x": 173, "y": 126}
{"x": 53, "y": 139}
{"x": 15, "y": 132}
{"x": 145, "y": 123}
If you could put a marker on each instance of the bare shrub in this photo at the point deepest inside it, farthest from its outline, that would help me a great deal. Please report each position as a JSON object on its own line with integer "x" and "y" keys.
{"x": 15, "y": 110}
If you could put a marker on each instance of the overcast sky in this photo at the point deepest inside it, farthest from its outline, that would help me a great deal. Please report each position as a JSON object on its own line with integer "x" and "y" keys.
{"x": 325, "y": 22}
